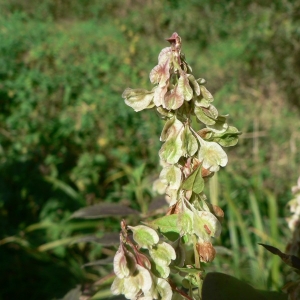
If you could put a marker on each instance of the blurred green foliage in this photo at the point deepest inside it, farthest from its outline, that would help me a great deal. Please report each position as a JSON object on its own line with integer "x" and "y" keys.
{"x": 67, "y": 140}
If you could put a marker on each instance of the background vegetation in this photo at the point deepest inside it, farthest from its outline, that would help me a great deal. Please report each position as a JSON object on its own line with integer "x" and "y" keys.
{"x": 67, "y": 140}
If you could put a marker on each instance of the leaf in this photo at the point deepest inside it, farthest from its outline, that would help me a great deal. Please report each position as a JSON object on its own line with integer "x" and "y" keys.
{"x": 189, "y": 142}
{"x": 194, "y": 182}
{"x": 164, "y": 55}
{"x": 159, "y": 94}
{"x": 206, "y": 94}
{"x": 212, "y": 155}
{"x": 144, "y": 236}
{"x": 184, "y": 87}
{"x": 138, "y": 99}
{"x": 228, "y": 138}
{"x": 73, "y": 294}
{"x": 171, "y": 176}
{"x": 199, "y": 112}
{"x": 211, "y": 112}
{"x": 162, "y": 254}
{"x": 220, "y": 126}
{"x": 160, "y": 73}
{"x": 173, "y": 99}
{"x": 108, "y": 239}
{"x": 103, "y": 210}
{"x": 201, "y": 102}
{"x": 195, "y": 84}
{"x": 218, "y": 286}
{"x": 206, "y": 225}
{"x": 171, "y": 150}
{"x": 171, "y": 129}
{"x": 167, "y": 225}
{"x": 291, "y": 260}
{"x": 164, "y": 112}
{"x": 185, "y": 222}
{"x": 101, "y": 262}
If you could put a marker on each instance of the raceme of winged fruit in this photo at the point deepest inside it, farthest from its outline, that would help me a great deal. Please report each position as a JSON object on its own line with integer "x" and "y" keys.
{"x": 189, "y": 157}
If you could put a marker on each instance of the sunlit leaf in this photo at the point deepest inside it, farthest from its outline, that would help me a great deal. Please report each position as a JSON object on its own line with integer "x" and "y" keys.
{"x": 211, "y": 112}
{"x": 124, "y": 263}
{"x": 228, "y": 138}
{"x": 171, "y": 176}
{"x": 171, "y": 129}
{"x": 171, "y": 150}
{"x": 184, "y": 87}
{"x": 212, "y": 155}
{"x": 206, "y": 94}
{"x": 160, "y": 73}
{"x": 138, "y": 99}
{"x": 206, "y": 225}
{"x": 220, "y": 126}
{"x": 185, "y": 222}
{"x": 189, "y": 142}
{"x": 202, "y": 102}
{"x": 173, "y": 99}
{"x": 168, "y": 225}
{"x": 162, "y": 254}
{"x": 144, "y": 236}
{"x": 199, "y": 112}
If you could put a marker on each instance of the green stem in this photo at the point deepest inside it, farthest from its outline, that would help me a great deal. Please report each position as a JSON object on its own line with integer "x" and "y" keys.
{"x": 197, "y": 265}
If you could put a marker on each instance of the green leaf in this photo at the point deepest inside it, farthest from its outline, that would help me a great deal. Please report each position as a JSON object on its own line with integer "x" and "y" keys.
{"x": 171, "y": 150}
{"x": 194, "y": 182}
{"x": 162, "y": 254}
{"x": 162, "y": 271}
{"x": 185, "y": 222}
{"x": 189, "y": 142}
{"x": 201, "y": 102}
{"x": 206, "y": 94}
{"x": 171, "y": 176}
{"x": 211, "y": 112}
{"x": 195, "y": 84}
{"x": 164, "y": 112}
{"x": 203, "y": 117}
{"x": 144, "y": 236}
{"x": 212, "y": 155}
{"x": 168, "y": 225}
{"x": 184, "y": 87}
{"x": 206, "y": 225}
{"x": 172, "y": 128}
{"x": 138, "y": 99}
{"x": 228, "y": 138}
{"x": 220, "y": 126}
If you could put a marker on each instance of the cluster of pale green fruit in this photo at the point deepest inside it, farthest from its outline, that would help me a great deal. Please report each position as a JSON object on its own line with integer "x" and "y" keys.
{"x": 189, "y": 157}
